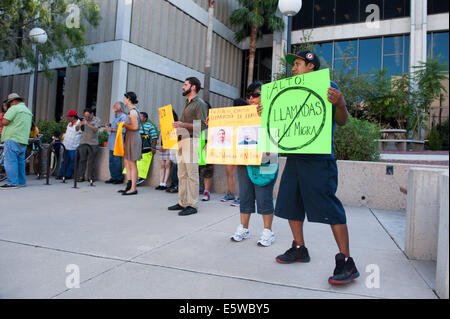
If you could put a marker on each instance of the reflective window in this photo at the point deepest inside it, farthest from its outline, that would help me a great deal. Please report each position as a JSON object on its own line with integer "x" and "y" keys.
{"x": 440, "y": 46}
{"x": 393, "y": 45}
{"x": 393, "y": 64}
{"x": 323, "y": 12}
{"x": 345, "y": 49}
{"x": 437, "y": 6}
{"x": 406, "y": 57}
{"x": 347, "y": 11}
{"x": 346, "y": 64}
{"x": 325, "y": 52}
{"x": 369, "y": 55}
{"x": 429, "y": 45}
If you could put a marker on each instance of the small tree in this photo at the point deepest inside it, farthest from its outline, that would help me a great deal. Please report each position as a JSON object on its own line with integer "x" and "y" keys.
{"x": 65, "y": 22}
{"x": 252, "y": 17}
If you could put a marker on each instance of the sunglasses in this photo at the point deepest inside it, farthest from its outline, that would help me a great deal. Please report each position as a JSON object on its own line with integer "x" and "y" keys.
{"x": 255, "y": 95}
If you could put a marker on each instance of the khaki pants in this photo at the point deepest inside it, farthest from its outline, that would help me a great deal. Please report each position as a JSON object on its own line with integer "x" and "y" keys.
{"x": 188, "y": 178}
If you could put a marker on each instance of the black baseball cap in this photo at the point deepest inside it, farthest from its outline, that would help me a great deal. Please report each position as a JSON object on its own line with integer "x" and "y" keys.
{"x": 307, "y": 56}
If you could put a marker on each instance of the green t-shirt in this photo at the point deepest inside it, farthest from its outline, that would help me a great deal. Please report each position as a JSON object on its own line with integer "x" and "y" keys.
{"x": 18, "y": 129}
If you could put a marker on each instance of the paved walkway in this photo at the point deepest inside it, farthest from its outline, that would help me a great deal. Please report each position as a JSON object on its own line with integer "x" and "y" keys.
{"x": 132, "y": 247}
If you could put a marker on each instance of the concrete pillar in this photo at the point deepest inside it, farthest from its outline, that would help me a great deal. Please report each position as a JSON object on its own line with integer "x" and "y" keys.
{"x": 442, "y": 266}
{"x": 422, "y": 213}
{"x": 119, "y": 84}
{"x": 418, "y": 37}
{"x": 123, "y": 19}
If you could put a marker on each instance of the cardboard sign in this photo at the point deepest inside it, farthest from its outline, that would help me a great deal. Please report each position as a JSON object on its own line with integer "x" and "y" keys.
{"x": 296, "y": 116}
{"x": 168, "y": 132}
{"x": 233, "y": 135}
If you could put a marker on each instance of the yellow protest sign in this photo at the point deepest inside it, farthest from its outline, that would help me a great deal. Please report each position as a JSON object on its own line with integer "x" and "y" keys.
{"x": 233, "y": 134}
{"x": 168, "y": 132}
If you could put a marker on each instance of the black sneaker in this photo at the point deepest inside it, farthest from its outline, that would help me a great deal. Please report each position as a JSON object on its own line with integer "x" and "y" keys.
{"x": 188, "y": 211}
{"x": 344, "y": 272}
{"x": 294, "y": 254}
{"x": 172, "y": 190}
{"x": 110, "y": 181}
{"x": 176, "y": 207}
{"x": 6, "y": 186}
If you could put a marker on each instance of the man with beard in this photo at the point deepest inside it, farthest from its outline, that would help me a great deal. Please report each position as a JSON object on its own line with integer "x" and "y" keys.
{"x": 188, "y": 176}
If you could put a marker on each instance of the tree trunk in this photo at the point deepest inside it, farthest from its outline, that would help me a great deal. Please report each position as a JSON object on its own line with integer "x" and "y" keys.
{"x": 209, "y": 41}
{"x": 251, "y": 57}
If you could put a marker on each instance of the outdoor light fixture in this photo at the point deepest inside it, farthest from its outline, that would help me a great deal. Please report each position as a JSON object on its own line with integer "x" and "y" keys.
{"x": 290, "y": 7}
{"x": 39, "y": 36}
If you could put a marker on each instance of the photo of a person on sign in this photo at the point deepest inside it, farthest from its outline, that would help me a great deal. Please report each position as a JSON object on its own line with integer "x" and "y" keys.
{"x": 247, "y": 137}
{"x": 222, "y": 137}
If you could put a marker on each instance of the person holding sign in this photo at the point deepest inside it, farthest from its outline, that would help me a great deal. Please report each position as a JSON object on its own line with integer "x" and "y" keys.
{"x": 250, "y": 192}
{"x": 309, "y": 184}
{"x": 195, "y": 110}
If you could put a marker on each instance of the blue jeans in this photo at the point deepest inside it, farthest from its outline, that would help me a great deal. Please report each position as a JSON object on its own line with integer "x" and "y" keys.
{"x": 70, "y": 164}
{"x": 15, "y": 163}
{"x": 174, "y": 175}
{"x": 115, "y": 166}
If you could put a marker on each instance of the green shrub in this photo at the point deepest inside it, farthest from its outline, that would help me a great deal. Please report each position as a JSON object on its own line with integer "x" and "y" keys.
{"x": 434, "y": 142}
{"x": 102, "y": 137}
{"x": 443, "y": 132}
{"x": 355, "y": 141}
{"x": 48, "y": 127}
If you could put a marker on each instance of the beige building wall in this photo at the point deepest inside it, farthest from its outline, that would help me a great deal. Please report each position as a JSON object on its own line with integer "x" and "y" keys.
{"x": 222, "y": 9}
{"x": 18, "y": 83}
{"x": 46, "y": 96}
{"x": 107, "y": 28}
{"x": 164, "y": 29}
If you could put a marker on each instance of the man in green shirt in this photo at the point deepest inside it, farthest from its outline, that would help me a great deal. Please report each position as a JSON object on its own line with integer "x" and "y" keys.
{"x": 16, "y": 131}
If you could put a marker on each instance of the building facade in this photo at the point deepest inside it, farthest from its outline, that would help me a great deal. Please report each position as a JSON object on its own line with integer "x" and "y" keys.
{"x": 151, "y": 46}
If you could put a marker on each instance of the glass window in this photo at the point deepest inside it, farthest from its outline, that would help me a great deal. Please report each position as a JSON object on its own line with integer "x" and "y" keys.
{"x": 323, "y": 12}
{"x": 325, "y": 52}
{"x": 440, "y": 46}
{"x": 396, "y": 9}
{"x": 369, "y": 55}
{"x": 347, "y": 11}
{"x": 346, "y": 64}
{"x": 429, "y": 45}
{"x": 437, "y": 6}
{"x": 406, "y": 64}
{"x": 393, "y": 64}
{"x": 363, "y": 8}
{"x": 393, "y": 45}
{"x": 345, "y": 49}
{"x": 304, "y": 19}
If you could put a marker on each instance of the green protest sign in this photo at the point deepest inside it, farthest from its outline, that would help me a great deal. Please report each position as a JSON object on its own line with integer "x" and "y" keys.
{"x": 296, "y": 116}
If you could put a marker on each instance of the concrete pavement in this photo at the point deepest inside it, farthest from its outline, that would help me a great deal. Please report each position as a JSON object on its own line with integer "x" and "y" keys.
{"x": 133, "y": 247}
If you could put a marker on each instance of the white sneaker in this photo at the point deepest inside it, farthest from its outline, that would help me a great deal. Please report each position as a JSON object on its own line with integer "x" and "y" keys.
{"x": 241, "y": 234}
{"x": 267, "y": 238}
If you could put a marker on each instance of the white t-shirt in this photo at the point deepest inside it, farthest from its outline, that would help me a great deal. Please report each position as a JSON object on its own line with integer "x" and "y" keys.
{"x": 72, "y": 137}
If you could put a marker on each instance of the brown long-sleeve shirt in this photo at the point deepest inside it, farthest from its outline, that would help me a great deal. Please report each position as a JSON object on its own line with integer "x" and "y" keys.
{"x": 195, "y": 110}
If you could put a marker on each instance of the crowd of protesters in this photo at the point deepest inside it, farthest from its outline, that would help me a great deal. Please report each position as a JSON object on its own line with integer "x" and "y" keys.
{"x": 308, "y": 183}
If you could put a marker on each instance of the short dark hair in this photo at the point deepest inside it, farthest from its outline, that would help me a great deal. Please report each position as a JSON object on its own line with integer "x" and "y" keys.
{"x": 57, "y": 134}
{"x": 240, "y": 102}
{"x": 89, "y": 110}
{"x": 196, "y": 82}
{"x": 145, "y": 115}
{"x": 254, "y": 86}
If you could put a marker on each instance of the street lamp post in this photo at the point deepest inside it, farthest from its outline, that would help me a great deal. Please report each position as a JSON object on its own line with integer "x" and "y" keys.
{"x": 289, "y": 8}
{"x": 38, "y": 36}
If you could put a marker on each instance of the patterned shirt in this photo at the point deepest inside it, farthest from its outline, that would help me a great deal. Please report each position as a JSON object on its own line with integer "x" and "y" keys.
{"x": 72, "y": 137}
{"x": 150, "y": 129}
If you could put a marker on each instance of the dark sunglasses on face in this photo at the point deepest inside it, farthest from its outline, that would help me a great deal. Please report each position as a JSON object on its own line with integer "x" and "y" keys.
{"x": 255, "y": 95}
